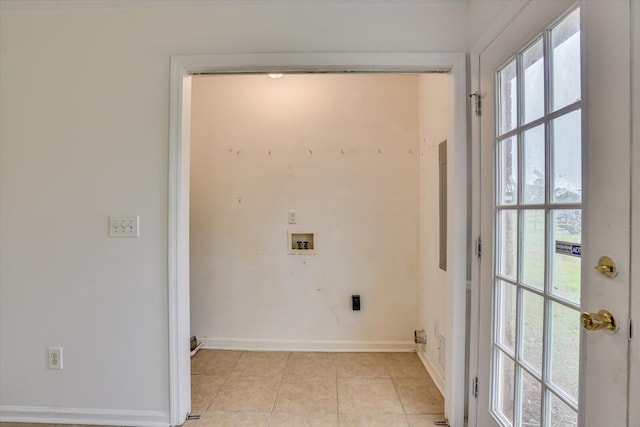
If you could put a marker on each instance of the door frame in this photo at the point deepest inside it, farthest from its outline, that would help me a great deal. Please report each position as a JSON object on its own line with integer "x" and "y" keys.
{"x": 634, "y": 347}
{"x": 182, "y": 67}
{"x": 509, "y": 14}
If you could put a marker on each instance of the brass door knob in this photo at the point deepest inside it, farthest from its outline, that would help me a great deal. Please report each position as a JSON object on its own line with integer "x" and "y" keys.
{"x": 600, "y": 320}
{"x": 606, "y": 266}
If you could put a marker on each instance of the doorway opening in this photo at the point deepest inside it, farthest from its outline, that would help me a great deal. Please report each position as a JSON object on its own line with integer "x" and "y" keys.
{"x": 298, "y": 162}
{"x": 307, "y": 191}
{"x": 343, "y": 166}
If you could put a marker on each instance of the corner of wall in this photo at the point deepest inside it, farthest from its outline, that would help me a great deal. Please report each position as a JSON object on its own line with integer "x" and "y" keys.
{"x": 433, "y": 106}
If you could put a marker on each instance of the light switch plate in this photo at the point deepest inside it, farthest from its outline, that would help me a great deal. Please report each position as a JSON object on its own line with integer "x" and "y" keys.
{"x": 292, "y": 217}
{"x": 124, "y": 226}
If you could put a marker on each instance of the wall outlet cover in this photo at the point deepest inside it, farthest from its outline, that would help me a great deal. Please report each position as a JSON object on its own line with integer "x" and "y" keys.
{"x": 54, "y": 355}
{"x": 124, "y": 226}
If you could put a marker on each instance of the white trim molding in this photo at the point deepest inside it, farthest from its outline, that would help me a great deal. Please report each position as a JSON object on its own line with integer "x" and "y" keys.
{"x": 306, "y": 345}
{"x": 317, "y": 62}
{"x": 178, "y": 244}
{"x": 182, "y": 67}
{"x": 41, "y": 414}
{"x": 634, "y": 345}
{"x": 437, "y": 378}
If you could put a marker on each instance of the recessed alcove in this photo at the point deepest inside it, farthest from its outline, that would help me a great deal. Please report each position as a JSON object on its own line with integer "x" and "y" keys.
{"x": 301, "y": 242}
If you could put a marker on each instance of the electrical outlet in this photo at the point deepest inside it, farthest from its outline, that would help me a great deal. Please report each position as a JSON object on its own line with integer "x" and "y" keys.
{"x": 355, "y": 302}
{"x": 55, "y": 357}
{"x": 292, "y": 217}
{"x": 124, "y": 226}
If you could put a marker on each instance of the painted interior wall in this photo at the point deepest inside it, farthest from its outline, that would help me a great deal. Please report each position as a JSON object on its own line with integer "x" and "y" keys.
{"x": 341, "y": 150}
{"x": 434, "y": 118}
{"x": 483, "y": 13}
{"x": 84, "y": 134}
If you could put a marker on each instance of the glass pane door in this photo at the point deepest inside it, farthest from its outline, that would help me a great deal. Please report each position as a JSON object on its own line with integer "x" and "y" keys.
{"x": 538, "y": 218}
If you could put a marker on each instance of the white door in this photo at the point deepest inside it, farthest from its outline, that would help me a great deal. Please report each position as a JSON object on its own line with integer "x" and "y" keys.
{"x": 555, "y": 197}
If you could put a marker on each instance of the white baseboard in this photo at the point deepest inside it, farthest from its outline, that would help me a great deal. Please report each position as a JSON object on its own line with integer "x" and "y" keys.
{"x": 40, "y": 414}
{"x": 306, "y": 345}
{"x": 437, "y": 378}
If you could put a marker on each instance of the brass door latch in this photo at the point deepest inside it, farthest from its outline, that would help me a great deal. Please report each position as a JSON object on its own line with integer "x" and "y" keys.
{"x": 607, "y": 267}
{"x": 600, "y": 320}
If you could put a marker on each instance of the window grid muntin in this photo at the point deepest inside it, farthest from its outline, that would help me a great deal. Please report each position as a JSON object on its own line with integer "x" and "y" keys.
{"x": 545, "y": 119}
{"x": 547, "y": 388}
{"x": 551, "y": 297}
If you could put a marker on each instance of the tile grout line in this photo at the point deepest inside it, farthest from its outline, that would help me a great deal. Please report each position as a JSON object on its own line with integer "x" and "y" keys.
{"x": 404, "y": 411}
{"x": 273, "y": 406}
{"x": 337, "y": 391}
{"x": 395, "y": 387}
{"x": 220, "y": 388}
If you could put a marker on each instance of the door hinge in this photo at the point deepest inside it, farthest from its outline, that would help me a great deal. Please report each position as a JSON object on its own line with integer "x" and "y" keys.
{"x": 630, "y": 329}
{"x": 474, "y": 387}
{"x": 478, "y": 102}
{"x": 478, "y": 247}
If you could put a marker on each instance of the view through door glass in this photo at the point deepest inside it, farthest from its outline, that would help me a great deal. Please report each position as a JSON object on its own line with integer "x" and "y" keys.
{"x": 538, "y": 223}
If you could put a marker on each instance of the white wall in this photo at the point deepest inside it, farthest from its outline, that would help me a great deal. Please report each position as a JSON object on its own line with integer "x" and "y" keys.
{"x": 340, "y": 150}
{"x": 434, "y": 114}
{"x": 84, "y": 134}
{"x": 483, "y": 13}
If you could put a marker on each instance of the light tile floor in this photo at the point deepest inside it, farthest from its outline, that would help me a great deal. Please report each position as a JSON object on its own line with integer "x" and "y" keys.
{"x": 241, "y": 388}
{"x": 237, "y": 388}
